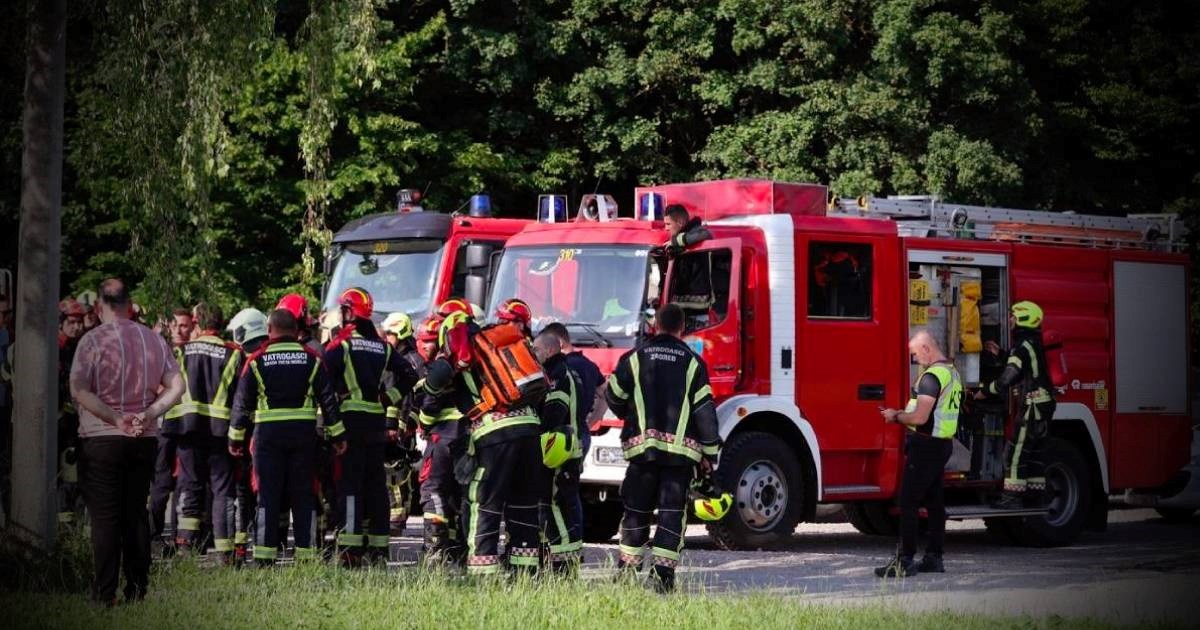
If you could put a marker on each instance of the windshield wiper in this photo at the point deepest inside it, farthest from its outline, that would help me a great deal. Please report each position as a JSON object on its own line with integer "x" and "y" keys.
{"x": 598, "y": 337}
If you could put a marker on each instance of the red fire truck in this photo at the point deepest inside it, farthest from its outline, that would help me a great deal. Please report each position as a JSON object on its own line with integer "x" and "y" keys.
{"x": 411, "y": 260}
{"x": 804, "y": 327}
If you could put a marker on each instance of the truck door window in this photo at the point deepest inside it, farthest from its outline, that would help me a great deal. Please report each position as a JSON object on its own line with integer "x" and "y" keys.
{"x": 839, "y": 280}
{"x": 700, "y": 285}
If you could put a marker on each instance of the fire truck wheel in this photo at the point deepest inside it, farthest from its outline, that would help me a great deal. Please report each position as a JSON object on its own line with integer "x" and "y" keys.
{"x": 856, "y": 513}
{"x": 601, "y": 520}
{"x": 764, "y": 475}
{"x": 1068, "y": 496}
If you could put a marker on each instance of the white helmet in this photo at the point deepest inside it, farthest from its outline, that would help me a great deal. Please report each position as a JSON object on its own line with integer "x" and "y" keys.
{"x": 248, "y": 324}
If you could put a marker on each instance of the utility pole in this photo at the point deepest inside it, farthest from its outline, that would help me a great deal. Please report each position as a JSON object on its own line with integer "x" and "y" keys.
{"x": 35, "y": 387}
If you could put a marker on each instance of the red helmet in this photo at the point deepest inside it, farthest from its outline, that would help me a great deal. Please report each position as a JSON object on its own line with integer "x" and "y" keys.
{"x": 295, "y": 304}
{"x": 428, "y": 331}
{"x": 454, "y": 305}
{"x": 514, "y": 310}
{"x": 358, "y": 301}
{"x": 70, "y": 308}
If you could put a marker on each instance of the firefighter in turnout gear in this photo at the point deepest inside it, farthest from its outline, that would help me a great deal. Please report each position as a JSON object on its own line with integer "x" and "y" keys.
{"x": 367, "y": 372}
{"x": 249, "y": 330}
{"x": 501, "y": 470}
{"x": 561, "y": 415}
{"x": 444, "y": 431}
{"x": 661, "y": 392}
{"x": 199, "y": 424}
{"x": 1026, "y": 371}
{"x": 931, "y": 417}
{"x": 401, "y": 453}
{"x": 279, "y": 390}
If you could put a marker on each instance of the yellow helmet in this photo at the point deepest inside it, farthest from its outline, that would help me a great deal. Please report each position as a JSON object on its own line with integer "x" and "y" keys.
{"x": 556, "y": 449}
{"x": 399, "y": 324}
{"x": 713, "y": 508}
{"x": 1027, "y": 314}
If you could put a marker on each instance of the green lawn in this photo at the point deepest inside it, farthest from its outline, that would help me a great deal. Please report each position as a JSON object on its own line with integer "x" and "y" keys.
{"x": 185, "y": 596}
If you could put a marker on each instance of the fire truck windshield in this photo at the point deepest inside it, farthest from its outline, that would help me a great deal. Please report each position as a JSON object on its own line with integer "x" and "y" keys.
{"x": 399, "y": 278}
{"x": 600, "y": 289}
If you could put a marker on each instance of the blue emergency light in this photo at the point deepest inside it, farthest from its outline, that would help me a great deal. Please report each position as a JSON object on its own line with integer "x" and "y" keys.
{"x": 481, "y": 206}
{"x": 650, "y": 207}
{"x": 552, "y": 208}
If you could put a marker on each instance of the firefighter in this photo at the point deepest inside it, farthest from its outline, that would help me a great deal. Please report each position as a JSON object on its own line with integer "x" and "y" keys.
{"x": 1025, "y": 370}
{"x": 297, "y": 305}
{"x": 70, "y": 329}
{"x": 692, "y": 285}
{"x": 440, "y": 418}
{"x": 279, "y": 389}
{"x": 661, "y": 392}
{"x": 562, "y": 453}
{"x": 503, "y": 479}
{"x": 931, "y": 417}
{"x": 199, "y": 424}
{"x": 367, "y": 371}
{"x": 401, "y": 448}
{"x": 249, "y": 331}
{"x": 165, "y": 462}
{"x": 517, "y": 312}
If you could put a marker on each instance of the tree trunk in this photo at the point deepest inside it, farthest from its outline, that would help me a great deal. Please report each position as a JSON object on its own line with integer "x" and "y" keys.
{"x": 35, "y": 388}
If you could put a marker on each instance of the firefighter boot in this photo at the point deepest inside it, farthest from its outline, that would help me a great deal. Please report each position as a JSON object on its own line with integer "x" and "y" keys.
{"x": 1035, "y": 493}
{"x": 900, "y": 566}
{"x": 661, "y": 579}
{"x": 931, "y": 563}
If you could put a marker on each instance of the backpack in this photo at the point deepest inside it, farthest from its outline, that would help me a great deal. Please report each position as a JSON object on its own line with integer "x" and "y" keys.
{"x": 509, "y": 373}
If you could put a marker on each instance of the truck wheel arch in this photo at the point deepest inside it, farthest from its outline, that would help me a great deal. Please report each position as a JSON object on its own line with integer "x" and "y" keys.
{"x": 1066, "y": 414}
{"x": 781, "y": 417}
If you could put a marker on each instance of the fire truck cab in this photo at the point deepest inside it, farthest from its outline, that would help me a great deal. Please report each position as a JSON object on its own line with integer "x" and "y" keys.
{"x": 801, "y": 309}
{"x": 411, "y": 260}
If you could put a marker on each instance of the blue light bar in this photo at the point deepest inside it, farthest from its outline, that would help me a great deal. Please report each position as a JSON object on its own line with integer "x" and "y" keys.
{"x": 552, "y": 208}
{"x": 650, "y": 207}
{"x": 481, "y": 206}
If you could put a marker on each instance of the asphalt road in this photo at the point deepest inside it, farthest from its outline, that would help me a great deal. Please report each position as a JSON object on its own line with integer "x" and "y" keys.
{"x": 1142, "y": 569}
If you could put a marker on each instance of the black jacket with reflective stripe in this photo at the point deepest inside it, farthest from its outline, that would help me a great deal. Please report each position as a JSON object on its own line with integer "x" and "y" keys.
{"x": 367, "y": 374}
{"x": 562, "y": 408}
{"x": 210, "y": 368}
{"x": 661, "y": 392}
{"x": 294, "y": 383}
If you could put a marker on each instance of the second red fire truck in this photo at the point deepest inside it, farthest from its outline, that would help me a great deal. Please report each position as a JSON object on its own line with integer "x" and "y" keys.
{"x": 804, "y": 327}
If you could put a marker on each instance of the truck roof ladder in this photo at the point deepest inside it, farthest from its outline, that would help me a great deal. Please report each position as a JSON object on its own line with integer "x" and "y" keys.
{"x": 930, "y": 217}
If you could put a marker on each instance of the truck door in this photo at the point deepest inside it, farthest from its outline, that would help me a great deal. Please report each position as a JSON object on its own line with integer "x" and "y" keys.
{"x": 706, "y": 282}
{"x": 851, "y": 347}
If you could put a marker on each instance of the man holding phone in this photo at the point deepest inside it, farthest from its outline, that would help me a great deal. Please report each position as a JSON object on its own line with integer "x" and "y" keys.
{"x": 931, "y": 418}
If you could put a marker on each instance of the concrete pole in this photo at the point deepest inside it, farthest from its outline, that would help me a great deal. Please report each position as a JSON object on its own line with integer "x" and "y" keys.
{"x": 35, "y": 386}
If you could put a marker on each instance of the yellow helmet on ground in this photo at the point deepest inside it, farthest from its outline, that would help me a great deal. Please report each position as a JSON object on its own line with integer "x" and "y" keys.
{"x": 399, "y": 324}
{"x": 713, "y": 508}
{"x": 1027, "y": 314}
{"x": 556, "y": 449}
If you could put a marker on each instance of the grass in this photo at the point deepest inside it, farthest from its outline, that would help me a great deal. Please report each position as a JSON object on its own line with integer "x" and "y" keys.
{"x": 186, "y": 595}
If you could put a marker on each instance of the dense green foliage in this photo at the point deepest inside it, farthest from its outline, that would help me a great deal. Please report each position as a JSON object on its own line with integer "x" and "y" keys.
{"x": 184, "y": 595}
{"x": 210, "y": 149}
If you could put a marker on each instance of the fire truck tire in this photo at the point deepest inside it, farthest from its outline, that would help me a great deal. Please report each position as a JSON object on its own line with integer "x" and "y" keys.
{"x": 765, "y": 476}
{"x": 1069, "y": 492}
{"x": 856, "y": 514}
{"x": 601, "y": 520}
{"x": 1175, "y": 514}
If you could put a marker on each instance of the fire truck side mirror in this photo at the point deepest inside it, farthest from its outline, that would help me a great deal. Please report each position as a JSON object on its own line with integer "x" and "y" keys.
{"x": 477, "y": 255}
{"x": 475, "y": 289}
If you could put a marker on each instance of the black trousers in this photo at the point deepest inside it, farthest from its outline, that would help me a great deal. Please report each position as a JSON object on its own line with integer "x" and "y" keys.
{"x": 924, "y": 466}
{"x": 245, "y": 501}
{"x": 561, "y": 524}
{"x": 284, "y": 463}
{"x": 649, "y": 486}
{"x": 361, "y": 485}
{"x": 504, "y": 487}
{"x": 115, "y": 473}
{"x": 205, "y": 466}
{"x": 164, "y": 483}
{"x": 441, "y": 495}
